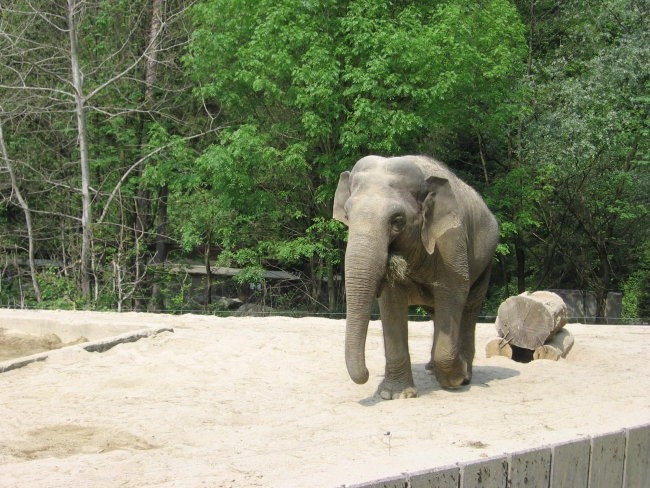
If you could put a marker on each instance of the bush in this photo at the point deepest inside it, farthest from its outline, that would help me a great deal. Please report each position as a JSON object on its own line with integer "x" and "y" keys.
{"x": 58, "y": 291}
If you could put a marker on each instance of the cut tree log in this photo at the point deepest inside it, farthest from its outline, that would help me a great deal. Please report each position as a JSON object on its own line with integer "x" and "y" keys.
{"x": 498, "y": 347}
{"x": 530, "y": 319}
{"x": 557, "y": 347}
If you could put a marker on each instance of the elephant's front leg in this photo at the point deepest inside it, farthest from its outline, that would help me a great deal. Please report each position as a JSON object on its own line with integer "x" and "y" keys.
{"x": 398, "y": 380}
{"x": 448, "y": 362}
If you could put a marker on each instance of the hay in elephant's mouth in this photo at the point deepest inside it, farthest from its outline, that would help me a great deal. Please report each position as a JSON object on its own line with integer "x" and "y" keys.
{"x": 397, "y": 269}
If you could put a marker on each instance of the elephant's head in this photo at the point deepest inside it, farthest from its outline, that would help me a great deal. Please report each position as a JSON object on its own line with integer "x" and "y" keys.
{"x": 389, "y": 206}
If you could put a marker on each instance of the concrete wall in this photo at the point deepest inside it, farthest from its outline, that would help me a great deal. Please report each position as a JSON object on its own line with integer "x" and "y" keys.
{"x": 616, "y": 460}
{"x": 581, "y": 305}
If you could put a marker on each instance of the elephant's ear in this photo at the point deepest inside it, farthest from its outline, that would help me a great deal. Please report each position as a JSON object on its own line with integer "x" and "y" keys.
{"x": 440, "y": 209}
{"x": 341, "y": 196}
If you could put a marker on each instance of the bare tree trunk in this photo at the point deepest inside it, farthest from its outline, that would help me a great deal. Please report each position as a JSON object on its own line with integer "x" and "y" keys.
{"x": 316, "y": 277}
{"x": 520, "y": 254}
{"x": 82, "y": 141}
{"x": 161, "y": 245}
{"x": 331, "y": 288}
{"x": 483, "y": 162}
{"x": 140, "y": 226}
{"x": 602, "y": 287}
{"x": 151, "y": 69}
{"x": 151, "y": 75}
{"x": 208, "y": 276}
{"x": 28, "y": 215}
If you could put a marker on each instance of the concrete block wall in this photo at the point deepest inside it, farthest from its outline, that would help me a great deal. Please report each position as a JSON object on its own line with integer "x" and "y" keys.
{"x": 615, "y": 460}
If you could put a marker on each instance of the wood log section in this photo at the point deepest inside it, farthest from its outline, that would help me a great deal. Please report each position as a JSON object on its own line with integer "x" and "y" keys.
{"x": 529, "y": 320}
{"x": 556, "y": 347}
{"x": 498, "y": 347}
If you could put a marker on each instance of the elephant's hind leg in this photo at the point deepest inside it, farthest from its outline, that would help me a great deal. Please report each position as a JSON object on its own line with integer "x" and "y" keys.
{"x": 468, "y": 320}
{"x": 398, "y": 380}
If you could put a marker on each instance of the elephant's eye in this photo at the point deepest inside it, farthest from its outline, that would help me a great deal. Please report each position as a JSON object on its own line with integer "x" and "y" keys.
{"x": 398, "y": 223}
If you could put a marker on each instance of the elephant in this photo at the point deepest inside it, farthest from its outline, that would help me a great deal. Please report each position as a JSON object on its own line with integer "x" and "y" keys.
{"x": 417, "y": 235}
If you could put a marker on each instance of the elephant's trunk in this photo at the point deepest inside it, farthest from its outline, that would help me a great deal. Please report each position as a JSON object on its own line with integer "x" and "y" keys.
{"x": 365, "y": 266}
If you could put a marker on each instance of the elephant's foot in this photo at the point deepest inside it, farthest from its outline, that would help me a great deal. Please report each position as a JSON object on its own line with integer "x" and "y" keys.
{"x": 394, "y": 389}
{"x": 451, "y": 373}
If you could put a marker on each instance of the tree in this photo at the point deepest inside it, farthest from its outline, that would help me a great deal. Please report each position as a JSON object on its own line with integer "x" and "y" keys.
{"x": 22, "y": 203}
{"x": 97, "y": 61}
{"x": 584, "y": 145}
{"x": 310, "y": 87}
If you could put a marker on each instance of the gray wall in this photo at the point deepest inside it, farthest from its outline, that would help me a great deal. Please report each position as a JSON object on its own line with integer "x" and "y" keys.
{"x": 616, "y": 460}
{"x": 581, "y": 305}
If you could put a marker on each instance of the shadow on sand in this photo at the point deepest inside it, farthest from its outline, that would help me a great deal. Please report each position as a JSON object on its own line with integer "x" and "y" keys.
{"x": 426, "y": 383}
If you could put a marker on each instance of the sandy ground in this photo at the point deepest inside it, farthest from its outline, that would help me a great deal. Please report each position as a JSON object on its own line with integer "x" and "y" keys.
{"x": 16, "y": 345}
{"x": 266, "y": 402}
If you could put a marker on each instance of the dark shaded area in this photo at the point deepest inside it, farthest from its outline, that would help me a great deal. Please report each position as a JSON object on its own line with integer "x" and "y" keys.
{"x": 521, "y": 354}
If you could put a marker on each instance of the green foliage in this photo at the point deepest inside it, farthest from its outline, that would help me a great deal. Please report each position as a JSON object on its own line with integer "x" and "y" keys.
{"x": 513, "y": 198}
{"x": 59, "y": 291}
{"x": 321, "y": 239}
{"x": 572, "y": 197}
{"x": 300, "y": 89}
{"x": 250, "y": 275}
{"x": 313, "y": 86}
{"x": 636, "y": 290}
{"x": 176, "y": 288}
{"x": 427, "y": 69}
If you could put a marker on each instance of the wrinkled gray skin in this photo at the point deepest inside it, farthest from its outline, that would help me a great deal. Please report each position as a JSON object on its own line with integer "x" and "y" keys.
{"x": 413, "y": 207}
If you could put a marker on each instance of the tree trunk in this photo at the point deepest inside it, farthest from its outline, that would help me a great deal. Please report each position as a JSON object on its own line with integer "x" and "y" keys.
{"x": 603, "y": 287}
{"x": 208, "y": 276}
{"x": 28, "y": 215}
{"x": 150, "y": 77}
{"x": 483, "y": 163}
{"x": 505, "y": 276}
{"x": 557, "y": 347}
{"x": 331, "y": 288}
{"x": 498, "y": 347}
{"x": 82, "y": 141}
{"x": 316, "y": 278}
{"x": 521, "y": 265}
{"x": 530, "y": 319}
{"x": 162, "y": 248}
{"x": 151, "y": 69}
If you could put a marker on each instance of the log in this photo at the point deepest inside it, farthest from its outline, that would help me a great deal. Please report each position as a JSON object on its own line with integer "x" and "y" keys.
{"x": 557, "y": 347}
{"x": 498, "y": 347}
{"x": 530, "y": 319}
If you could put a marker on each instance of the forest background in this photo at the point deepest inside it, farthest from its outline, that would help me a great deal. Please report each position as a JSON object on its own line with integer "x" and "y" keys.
{"x": 139, "y": 133}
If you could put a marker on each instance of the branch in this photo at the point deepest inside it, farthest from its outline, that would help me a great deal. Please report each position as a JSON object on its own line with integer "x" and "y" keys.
{"x": 44, "y": 17}
{"x": 146, "y": 53}
{"x": 144, "y": 158}
{"x": 37, "y": 89}
{"x": 124, "y": 72}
